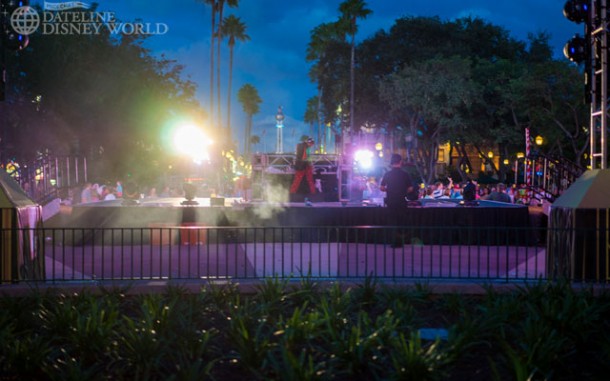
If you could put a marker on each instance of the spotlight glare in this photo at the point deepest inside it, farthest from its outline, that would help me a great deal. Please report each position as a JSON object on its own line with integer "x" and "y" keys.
{"x": 364, "y": 158}
{"x": 190, "y": 141}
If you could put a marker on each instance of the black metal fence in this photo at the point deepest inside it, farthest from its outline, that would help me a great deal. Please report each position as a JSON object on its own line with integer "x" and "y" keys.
{"x": 197, "y": 253}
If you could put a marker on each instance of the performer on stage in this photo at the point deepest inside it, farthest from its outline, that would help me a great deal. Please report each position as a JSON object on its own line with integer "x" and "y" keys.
{"x": 303, "y": 166}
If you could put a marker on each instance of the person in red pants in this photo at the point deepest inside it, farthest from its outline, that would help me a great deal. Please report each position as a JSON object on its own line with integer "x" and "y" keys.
{"x": 303, "y": 166}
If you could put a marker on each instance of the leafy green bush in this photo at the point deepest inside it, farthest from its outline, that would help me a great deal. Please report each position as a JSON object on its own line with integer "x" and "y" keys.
{"x": 306, "y": 331}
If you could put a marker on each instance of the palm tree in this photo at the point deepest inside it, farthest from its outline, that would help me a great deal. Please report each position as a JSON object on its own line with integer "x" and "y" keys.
{"x": 311, "y": 117}
{"x": 250, "y": 102}
{"x": 235, "y": 30}
{"x": 214, "y": 6}
{"x": 321, "y": 37}
{"x": 351, "y": 10}
{"x": 220, "y": 5}
{"x": 255, "y": 139}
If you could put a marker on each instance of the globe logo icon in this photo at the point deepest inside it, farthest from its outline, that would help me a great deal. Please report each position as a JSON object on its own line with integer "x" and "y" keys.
{"x": 25, "y": 20}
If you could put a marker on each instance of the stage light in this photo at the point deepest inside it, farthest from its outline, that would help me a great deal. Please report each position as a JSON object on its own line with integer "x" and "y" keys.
{"x": 191, "y": 141}
{"x": 190, "y": 191}
{"x": 579, "y": 49}
{"x": 576, "y": 50}
{"x": 364, "y": 158}
{"x": 576, "y": 10}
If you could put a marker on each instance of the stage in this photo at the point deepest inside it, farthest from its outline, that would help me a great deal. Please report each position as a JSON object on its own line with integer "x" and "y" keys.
{"x": 162, "y": 239}
{"x": 234, "y": 212}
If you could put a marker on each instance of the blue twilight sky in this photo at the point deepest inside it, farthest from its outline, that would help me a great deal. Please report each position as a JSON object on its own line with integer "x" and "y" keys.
{"x": 273, "y": 60}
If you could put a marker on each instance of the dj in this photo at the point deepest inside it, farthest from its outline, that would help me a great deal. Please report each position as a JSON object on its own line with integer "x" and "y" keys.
{"x": 398, "y": 186}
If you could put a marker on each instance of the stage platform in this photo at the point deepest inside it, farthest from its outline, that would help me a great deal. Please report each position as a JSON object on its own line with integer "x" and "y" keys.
{"x": 234, "y": 212}
{"x": 164, "y": 239}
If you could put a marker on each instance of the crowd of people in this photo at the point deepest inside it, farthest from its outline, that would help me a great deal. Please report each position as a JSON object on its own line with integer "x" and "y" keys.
{"x": 468, "y": 190}
{"x": 493, "y": 192}
{"x": 394, "y": 179}
{"x": 94, "y": 192}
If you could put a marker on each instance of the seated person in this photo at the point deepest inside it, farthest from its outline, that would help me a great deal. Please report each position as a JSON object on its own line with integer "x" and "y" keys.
{"x": 499, "y": 194}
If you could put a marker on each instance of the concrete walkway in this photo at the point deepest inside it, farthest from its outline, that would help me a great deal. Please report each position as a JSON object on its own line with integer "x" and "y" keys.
{"x": 295, "y": 259}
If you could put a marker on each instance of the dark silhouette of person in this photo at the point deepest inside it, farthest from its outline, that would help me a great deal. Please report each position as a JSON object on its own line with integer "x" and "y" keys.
{"x": 398, "y": 187}
{"x": 397, "y": 184}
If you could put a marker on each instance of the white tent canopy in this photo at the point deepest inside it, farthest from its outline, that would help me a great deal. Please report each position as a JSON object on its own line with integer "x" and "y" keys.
{"x": 20, "y": 244}
{"x": 578, "y": 225}
{"x": 590, "y": 191}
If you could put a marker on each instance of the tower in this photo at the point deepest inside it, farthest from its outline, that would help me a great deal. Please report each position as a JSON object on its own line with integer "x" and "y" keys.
{"x": 279, "y": 124}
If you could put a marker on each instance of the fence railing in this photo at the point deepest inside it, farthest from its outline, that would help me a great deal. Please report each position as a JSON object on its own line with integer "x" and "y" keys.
{"x": 197, "y": 253}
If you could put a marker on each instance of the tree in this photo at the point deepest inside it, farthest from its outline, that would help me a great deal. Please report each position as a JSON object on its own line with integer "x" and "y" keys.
{"x": 219, "y": 34}
{"x": 255, "y": 139}
{"x": 439, "y": 94}
{"x": 323, "y": 37}
{"x": 107, "y": 99}
{"x": 235, "y": 30}
{"x": 351, "y": 11}
{"x": 214, "y": 9}
{"x": 512, "y": 84}
{"x": 250, "y": 101}
{"x": 547, "y": 98}
{"x": 311, "y": 117}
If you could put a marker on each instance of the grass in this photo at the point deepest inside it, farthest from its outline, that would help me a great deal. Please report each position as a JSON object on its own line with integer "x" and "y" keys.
{"x": 283, "y": 331}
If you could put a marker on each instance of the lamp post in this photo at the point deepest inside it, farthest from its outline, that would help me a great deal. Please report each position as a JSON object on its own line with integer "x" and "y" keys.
{"x": 520, "y": 155}
{"x": 409, "y": 145}
{"x": 539, "y": 140}
{"x": 489, "y": 163}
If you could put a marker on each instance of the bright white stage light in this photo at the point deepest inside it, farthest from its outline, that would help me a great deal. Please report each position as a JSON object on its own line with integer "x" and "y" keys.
{"x": 364, "y": 158}
{"x": 190, "y": 140}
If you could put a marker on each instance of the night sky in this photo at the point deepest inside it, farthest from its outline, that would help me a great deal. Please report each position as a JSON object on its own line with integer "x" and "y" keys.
{"x": 273, "y": 60}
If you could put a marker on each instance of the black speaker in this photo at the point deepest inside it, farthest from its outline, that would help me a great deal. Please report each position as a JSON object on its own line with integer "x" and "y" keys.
{"x": 190, "y": 191}
{"x": 130, "y": 191}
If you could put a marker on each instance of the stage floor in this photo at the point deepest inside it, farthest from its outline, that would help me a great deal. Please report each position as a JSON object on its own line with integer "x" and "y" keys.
{"x": 235, "y": 212}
